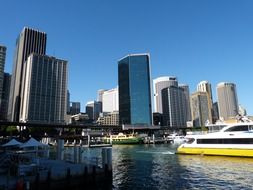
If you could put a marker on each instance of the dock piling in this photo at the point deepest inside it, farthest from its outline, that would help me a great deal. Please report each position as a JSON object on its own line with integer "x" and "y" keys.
{"x": 60, "y": 149}
{"x": 107, "y": 157}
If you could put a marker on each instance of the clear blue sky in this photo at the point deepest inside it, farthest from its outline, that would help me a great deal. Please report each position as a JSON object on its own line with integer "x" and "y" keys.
{"x": 192, "y": 39}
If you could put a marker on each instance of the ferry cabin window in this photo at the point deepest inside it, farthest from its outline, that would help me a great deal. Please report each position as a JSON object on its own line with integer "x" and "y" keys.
{"x": 239, "y": 128}
{"x": 226, "y": 141}
{"x": 189, "y": 141}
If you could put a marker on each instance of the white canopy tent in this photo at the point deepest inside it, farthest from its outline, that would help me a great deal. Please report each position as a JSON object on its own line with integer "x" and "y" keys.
{"x": 41, "y": 150}
{"x": 12, "y": 143}
{"x": 32, "y": 143}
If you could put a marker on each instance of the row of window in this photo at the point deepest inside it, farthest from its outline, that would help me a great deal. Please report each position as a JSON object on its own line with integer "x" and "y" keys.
{"x": 226, "y": 141}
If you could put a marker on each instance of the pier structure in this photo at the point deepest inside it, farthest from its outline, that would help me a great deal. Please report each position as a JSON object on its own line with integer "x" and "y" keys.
{"x": 30, "y": 171}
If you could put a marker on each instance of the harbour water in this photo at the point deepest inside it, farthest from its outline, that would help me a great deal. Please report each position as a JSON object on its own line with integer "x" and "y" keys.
{"x": 157, "y": 167}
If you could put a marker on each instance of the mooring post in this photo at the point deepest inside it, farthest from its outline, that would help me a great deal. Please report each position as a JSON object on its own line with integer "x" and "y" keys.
{"x": 85, "y": 176}
{"x": 68, "y": 180}
{"x": 107, "y": 157}
{"x": 37, "y": 181}
{"x": 48, "y": 179}
{"x": 60, "y": 149}
{"x": 94, "y": 173}
{"x": 80, "y": 154}
{"x": 76, "y": 154}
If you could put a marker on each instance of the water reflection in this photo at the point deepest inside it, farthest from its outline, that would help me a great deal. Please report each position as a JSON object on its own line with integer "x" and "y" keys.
{"x": 144, "y": 167}
{"x": 217, "y": 172}
{"x": 157, "y": 167}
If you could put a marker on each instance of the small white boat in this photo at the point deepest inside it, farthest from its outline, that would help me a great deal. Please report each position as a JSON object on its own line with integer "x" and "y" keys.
{"x": 176, "y": 139}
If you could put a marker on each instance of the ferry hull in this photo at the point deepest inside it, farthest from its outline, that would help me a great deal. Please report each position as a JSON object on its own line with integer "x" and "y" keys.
{"x": 132, "y": 141}
{"x": 216, "y": 151}
{"x": 125, "y": 141}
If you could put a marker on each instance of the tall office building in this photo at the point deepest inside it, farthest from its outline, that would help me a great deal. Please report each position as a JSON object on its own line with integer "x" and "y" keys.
{"x": 93, "y": 109}
{"x": 135, "y": 106}
{"x": 29, "y": 41}
{"x": 100, "y": 95}
{"x": 2, "y": 63}
{"x": 159, "y": 84}
{"x": 44, "y": 90}
{"x": 186, "y": 101}
{"x": 215, "y": 112}
{"x": 201, "y": 114}
{"x": 110, "y": 100}
{"x": 205, "y": 86}
{"x": 227, "y": 100}
{"x": 173, "y": 107}
{"x": 5, "y": 96}
{"x": 68, "y": 102}
{"x": 75, "y": 108}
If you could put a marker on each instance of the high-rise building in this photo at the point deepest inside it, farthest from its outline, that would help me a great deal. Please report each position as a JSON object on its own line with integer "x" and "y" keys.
{"x": 159, "y": 84}
{"x": 93, "y": 109}
{"x": 5, "y": 96}
{"x": 111, "y": 118}
{"x": 186, "y": 101}
{"x": 201, "y": 114}
{"x": 110, "y": 100}
{"x": 44, "y": 90}
{"x": 29, "y": 41}
{"x": 2, "y": 63}
{"x": 68, "y": 102}
{"x": 100, "y": 95}
{"x": 173, "y": 108}
{"x": 215, "y": 112}
{"x": 227, "y": 100}
{"x": 205, "y": 86}
{"x": 135, "y": 105}
{"x": 75, "y": 108}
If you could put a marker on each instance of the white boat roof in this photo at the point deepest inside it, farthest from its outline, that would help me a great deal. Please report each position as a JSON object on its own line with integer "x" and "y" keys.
{"x": 227, "y": 134}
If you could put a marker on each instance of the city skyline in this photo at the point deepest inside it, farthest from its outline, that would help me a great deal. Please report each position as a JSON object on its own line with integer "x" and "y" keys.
{"x": 192, "y": 40}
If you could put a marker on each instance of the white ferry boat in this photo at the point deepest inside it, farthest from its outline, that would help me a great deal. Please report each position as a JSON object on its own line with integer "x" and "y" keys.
{"x": 232, "y": 140}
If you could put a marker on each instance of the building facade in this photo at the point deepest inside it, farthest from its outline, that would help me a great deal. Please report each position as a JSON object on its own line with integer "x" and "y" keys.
{"x": 100, "y": 95}
{"x": 201, "y": 114}
{"x": 227, "y": 100}
{"x": 186, "y": 101}
{"x": 205, "y": 86}
{"x": 173, "y": 107}
{"x": 29, "y": 41}
{"x": 44, "y": 90}
{"x": 93, "y": 109}
{"x": 110, "y": 100}
{"x": 5, "y": 96}
{"x": 2, "y": 64}
{"x": 68, "y": 102}
{"x": 215, "y": 113}
{"x": 111, "y": 118}
{"x": 135, "y": 105}
{"x": 158, "y": 85}
{"x": 75, "y": 108}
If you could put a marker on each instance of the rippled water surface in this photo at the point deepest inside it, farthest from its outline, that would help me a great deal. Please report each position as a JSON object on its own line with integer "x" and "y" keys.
{"x": 157, "y": 167}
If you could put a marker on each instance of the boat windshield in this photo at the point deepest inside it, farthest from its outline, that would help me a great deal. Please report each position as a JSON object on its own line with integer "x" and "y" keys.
{"x": 190, "y": 140}
{"x": 240, "y": 128}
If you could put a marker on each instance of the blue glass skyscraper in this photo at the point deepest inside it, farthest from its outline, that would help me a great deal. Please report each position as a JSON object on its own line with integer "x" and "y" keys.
{"x": 134, "y": 90}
